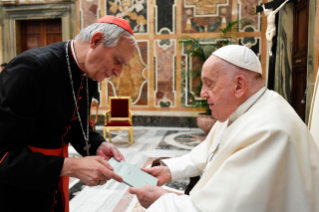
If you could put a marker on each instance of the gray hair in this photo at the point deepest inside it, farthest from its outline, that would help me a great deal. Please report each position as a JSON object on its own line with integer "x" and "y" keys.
{"x": 111, "y": 34}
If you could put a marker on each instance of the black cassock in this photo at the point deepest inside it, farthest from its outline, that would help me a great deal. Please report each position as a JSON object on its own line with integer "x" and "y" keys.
{"x": 37, "y": 109}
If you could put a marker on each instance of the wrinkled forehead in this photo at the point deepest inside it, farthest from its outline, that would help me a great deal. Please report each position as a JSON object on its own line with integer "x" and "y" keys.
{"x": 124, "y": 49}
{"x": 215, "y": 67}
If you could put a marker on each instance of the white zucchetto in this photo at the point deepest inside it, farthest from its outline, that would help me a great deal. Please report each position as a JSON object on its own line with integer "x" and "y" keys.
{"x": 240, "y": 56}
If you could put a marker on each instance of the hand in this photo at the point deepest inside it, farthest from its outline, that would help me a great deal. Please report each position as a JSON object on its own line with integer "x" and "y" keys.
{"x": 107, "y": 151}
{"x": 162, "y": 173}
{"x": 148, "y": 194}
{"x": 90, "y": 170}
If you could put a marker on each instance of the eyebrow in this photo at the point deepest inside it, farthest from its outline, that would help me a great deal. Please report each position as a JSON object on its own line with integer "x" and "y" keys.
{"x": 123, "y": 61}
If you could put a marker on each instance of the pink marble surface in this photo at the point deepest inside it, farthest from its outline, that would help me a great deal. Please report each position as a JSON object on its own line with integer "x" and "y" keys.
{"x": 89, "y": 12}
{"x": 245, "y": 6}
{"x": 124, "y": 202}
{"x": 165, "y": 72}
{"x": 134, "y": 77}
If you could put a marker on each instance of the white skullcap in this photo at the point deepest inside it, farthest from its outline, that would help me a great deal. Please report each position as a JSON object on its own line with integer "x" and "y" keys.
{"x": 240, "y": 56}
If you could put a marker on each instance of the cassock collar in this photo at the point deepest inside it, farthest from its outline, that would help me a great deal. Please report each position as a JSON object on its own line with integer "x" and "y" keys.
{"x": 75, "y": 60}
{"x": 246, "y": 105}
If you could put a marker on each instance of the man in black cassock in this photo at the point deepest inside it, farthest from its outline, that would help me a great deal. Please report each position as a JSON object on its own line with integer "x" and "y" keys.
{"x": 44, "y": 105}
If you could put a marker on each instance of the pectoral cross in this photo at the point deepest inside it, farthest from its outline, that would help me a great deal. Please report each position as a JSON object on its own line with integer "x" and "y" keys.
{"x": 87, "y": 147}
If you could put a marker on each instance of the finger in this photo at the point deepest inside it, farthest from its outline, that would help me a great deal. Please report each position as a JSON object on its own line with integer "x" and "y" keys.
{"x": 116, "y": 153}
{"x": 107, "y": 171}
{"x": 117, "y": 177}
{"x": 148, "y": 170}
{"x": 110, "y": 174}
{"x": 105, "y": 163}
{"x": 121, "y": 156}
{"x": 133, "y": 190}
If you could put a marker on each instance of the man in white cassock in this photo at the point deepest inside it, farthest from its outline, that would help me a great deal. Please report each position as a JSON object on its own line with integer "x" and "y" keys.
{"x": 259, "y": 156}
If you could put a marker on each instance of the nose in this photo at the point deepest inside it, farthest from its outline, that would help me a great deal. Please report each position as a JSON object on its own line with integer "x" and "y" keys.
{"x": 203, "y": 93}
{"x": 117, "y": 71}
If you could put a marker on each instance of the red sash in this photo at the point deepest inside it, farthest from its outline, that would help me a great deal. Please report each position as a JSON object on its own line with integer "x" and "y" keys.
{"x": 64, "y": 181}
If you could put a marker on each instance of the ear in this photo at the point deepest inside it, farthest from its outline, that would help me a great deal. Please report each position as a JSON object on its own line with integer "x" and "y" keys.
{"x": 96, "y": 39}
{"x": 240, "y": 86}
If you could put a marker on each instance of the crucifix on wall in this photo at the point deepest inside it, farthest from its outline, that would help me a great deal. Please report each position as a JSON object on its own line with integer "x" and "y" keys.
{"x": 271, "y": 26}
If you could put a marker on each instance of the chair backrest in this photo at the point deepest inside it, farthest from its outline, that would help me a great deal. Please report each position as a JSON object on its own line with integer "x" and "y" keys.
{"x": 94, "y": 106}
{"x": 120, "y": 108}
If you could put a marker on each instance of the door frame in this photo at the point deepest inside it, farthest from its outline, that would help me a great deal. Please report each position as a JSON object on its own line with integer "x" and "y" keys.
{"x": 13, "y": 14}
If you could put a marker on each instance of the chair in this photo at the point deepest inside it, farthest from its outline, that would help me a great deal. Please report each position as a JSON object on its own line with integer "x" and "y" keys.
{"x": 95, "y": 106}
{"x": 119, "y": 116}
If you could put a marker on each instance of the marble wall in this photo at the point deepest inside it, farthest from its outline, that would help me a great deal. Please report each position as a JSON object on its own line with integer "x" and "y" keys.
{"x": 133, "y": 80}
{"x": 156, "y": 78}
{"x": 89, "y": 12}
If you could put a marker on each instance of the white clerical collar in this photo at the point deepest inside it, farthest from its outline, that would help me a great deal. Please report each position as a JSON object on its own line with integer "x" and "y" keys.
{"x": 75, "y": 58}
{"x": 246, "y": 105}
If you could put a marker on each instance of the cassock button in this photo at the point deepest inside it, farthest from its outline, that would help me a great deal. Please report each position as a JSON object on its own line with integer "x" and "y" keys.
{"x": 69, "y": 127}
{"x": 75, "y": 118}
{"x": 78, "y": 107}
{"x": 80, "y": 97}
{"x": 81, "y": 87}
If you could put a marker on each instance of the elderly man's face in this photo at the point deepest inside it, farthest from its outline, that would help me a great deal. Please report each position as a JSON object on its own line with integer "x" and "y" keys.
{"x": 104, "y": 62}
{"x": 218, "y": 88}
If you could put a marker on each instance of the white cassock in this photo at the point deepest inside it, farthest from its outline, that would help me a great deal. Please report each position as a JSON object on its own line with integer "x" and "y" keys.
{"x": 265, "y": 160}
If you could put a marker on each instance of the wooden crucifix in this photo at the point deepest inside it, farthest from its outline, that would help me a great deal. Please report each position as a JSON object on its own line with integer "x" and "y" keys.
{"x": 271, "y": 26}
{"x": 270, "y": 5}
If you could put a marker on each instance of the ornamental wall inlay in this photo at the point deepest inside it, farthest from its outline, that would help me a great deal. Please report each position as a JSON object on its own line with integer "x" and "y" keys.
{"x": 206, "y": 7}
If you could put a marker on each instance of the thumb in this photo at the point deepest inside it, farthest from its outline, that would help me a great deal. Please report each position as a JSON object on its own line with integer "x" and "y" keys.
{"x": 148, "y": 170}
{"x": 116, "y": 154}
{"x": 133, "y": 190}
{"x": 105, "y": 163}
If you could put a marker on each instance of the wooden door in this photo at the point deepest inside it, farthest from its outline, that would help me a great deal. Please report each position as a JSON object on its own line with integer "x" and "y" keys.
{"x": 40, "y": 33}
{"x": 299, "y": 56}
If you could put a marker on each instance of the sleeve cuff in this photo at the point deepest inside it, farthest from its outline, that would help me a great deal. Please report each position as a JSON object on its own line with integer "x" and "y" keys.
{"x": 181, "y": 167}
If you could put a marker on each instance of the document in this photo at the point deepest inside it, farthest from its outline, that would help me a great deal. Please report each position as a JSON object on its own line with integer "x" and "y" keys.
{"x": 132, "y": 175}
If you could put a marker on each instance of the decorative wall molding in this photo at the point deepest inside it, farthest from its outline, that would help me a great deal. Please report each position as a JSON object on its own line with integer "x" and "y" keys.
{"x": 244, "y": 7}
{"x": 134, "y": 78}
{"x": 205, "y": 8}
{"x": 165, "y": 56}
{"x": 134, "y": 11}
{"x": 165, "y": 16}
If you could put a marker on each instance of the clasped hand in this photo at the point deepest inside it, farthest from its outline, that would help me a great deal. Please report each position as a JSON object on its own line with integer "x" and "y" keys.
{"x": 93, "y": 169}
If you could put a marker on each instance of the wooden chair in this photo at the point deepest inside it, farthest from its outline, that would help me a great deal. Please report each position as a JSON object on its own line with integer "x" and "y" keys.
{"x": 94, "y": 106}
{"x": 119, "y": 116}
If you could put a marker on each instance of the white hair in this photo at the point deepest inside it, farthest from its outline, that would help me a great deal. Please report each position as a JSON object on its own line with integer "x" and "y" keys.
{"x": 111, "y": 34}
{"x": 254, "y": 79}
